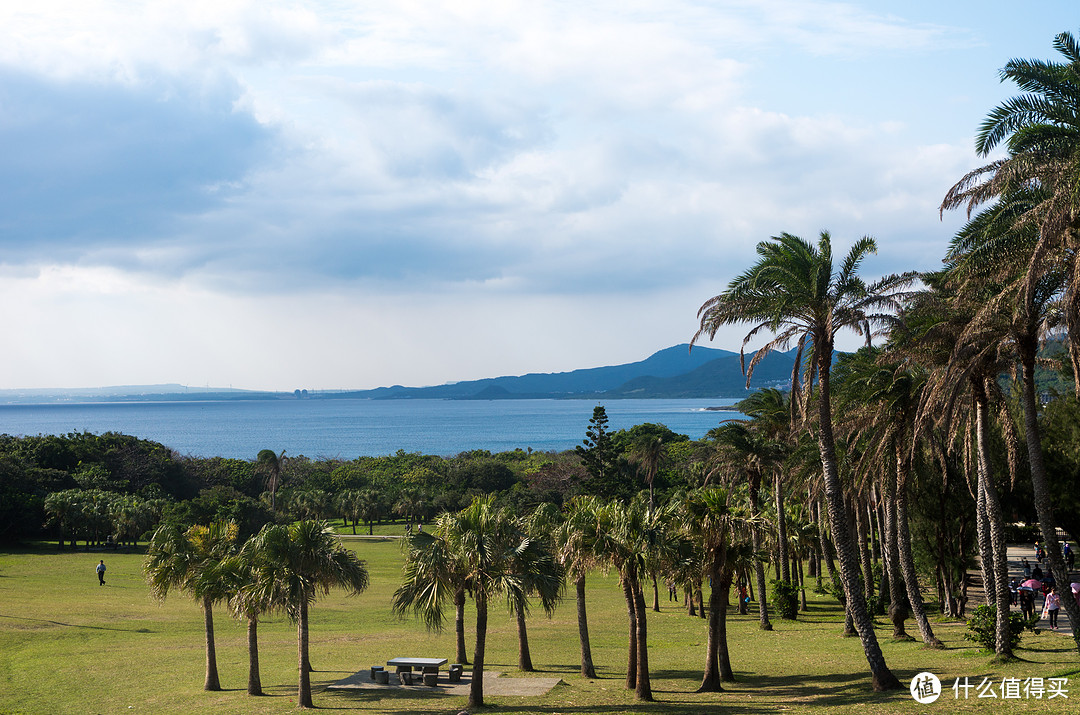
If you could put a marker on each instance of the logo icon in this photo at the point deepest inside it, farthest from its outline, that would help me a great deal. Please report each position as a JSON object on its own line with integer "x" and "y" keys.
{"x": 925, "y": 688}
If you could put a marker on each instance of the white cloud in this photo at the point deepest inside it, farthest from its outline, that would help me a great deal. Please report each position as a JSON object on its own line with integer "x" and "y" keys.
{"x": 343, "y": 170}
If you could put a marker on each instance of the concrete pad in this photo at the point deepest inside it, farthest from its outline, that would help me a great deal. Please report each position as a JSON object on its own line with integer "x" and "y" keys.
{"x": 494, "y": 684}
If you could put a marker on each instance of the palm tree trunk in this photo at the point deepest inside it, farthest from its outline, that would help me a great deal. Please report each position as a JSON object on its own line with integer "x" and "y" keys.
{"x": 212, "y": 682}
{"x": 999, "y": 568}
{"x": 588, "y": 670}
{"x": 802, "y": 585}
{"x": 710, "y": 680}
{"x": 986, "y": 549}
{"x": 898, "y": 609}
{"x": 907, "y": 561}
{"x": 476, "y": 685}
{"x": 643, "y": 689}
{"x": 524, "y": 656}
{"x": 254, "y": 686}
{"x": 783, "y": 573}
{"x": 882, "y": 678}
{"x": 862, "y": 531}
{"x": 459, "y": 626}
{"x": 655, "y": 594}
{"x": 759, "y": 568}
{"x": 825, "y": 545}
{"x": 303, "y": 695}
{"x": 1041, "y": 488}
{"x": 726, "y": 674}
{"x": 631, "y": 614}
{"x": 700, "y": 599}
{"x": 689, "y": 598}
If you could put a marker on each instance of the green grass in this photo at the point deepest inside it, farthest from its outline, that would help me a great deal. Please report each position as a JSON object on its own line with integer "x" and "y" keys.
{"x": 68, "y": 645}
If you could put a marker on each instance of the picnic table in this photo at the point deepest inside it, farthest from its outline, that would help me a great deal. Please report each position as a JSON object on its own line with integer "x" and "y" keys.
{"x": 428, "y": 666}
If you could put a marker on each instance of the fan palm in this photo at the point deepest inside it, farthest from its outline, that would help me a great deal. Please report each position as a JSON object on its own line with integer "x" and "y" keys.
{"x": 577, "y": 536}
{"x": 485, "y": 548}
{"x": 743, "y": 446}
{"x": 795, "y": 292}
{"x": 292, "y": 566}
{"x": 190, "y": 561}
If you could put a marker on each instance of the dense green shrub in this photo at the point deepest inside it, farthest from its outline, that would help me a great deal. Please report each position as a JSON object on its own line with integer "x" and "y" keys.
{"x": 981, "y": 627}
{"x": 785, "y": 599}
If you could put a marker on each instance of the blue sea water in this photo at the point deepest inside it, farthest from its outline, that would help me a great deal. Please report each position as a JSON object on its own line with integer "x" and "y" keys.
{"x": 350, "y": 428}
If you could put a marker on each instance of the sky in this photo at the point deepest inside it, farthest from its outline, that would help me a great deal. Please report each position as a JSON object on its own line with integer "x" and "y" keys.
{"x": 335, "y": 194}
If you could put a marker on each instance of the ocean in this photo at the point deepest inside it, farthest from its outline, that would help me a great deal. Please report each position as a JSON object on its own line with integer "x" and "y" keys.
{"x": 346, "y": 429}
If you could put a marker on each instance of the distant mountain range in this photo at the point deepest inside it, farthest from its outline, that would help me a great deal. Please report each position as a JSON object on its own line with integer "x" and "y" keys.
{"x": 672, "y": 373}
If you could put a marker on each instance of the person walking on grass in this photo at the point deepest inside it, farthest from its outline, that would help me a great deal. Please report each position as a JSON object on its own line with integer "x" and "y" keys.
{"x": 101, "y": 572}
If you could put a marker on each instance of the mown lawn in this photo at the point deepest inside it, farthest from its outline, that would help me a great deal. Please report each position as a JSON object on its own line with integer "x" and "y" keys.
{"x": 68, "y": 645}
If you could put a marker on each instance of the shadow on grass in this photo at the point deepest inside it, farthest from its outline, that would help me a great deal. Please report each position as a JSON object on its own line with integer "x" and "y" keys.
{"x": 836, "y": 691}
{"x": 76, "y": 625}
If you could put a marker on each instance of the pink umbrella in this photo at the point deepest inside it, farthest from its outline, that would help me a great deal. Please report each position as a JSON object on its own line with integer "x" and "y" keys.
{"x": 1075, "y": 587}
{"x": 1032, "y": 583}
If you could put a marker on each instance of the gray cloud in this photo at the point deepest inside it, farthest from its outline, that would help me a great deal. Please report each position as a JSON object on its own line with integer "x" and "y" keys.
{"x": 88, "y": 164}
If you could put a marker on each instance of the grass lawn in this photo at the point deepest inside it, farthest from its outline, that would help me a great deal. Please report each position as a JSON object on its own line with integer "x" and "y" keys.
{"x": 68, "y": 645}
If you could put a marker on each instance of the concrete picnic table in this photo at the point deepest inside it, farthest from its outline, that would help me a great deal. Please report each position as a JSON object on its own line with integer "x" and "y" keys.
{"x": 428, "y": 666}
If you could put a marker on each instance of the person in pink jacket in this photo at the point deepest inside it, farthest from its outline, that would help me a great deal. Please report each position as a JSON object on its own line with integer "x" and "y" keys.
{"x": 1053, "y": 605}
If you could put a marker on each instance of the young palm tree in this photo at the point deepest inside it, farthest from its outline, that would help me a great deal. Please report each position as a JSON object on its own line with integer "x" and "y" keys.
{"x": 292, "y": 565}
{"x": 486, "y": 548}
{"x": 190, "y": 561}
{"x": 795, "y": 292}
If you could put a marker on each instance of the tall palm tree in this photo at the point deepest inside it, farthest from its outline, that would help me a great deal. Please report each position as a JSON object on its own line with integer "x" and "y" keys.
{"x": 892, "y": 394}
{"x": 1041, "y": 131}
{"x": 1020, "y": 313}
{"x": 190, "y": 561}
{"x": 544, "y": 578}
{"x": 744, "y": 446}
{"x": 248, "y": 603}
{"x": 795, "y": 292}
{"x": 711, "y": 519}
{"x": 486, "y": 546}
{"x": 977, "y": 354}
{"x": 292, "y": 566}
{"x": 270, "y": 464}
{"x": 577, "y": 536}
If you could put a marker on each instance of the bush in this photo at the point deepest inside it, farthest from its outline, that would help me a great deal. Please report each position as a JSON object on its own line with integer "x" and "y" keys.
{"x": 981, "y": 627}
{"x": 785, "y": 599}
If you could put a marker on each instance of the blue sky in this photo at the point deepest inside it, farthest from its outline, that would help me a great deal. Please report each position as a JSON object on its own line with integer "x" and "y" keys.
{"x": 277, "y": 195}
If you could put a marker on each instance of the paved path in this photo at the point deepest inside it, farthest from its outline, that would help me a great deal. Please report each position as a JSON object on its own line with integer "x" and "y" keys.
{"x": 1016, "y": 553}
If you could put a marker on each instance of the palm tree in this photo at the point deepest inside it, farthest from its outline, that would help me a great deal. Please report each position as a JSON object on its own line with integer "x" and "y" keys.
{"x": 1041, "y": 130}
{"x": 578, "y": 535}
{"x": 545, "y": 579}
{"x": 711, "y": 520}
{"x": 248, "y": 603}
{"x": 484, "y": 545}
{"x": 350, "y": 504}
{"x": 744, "y": 446}
{"x": 977, "y": 355}
{"x": 292, "y": 565}
{"x": 795, "y": 292}
{"x": 190, "y": 561}
{"x": 1019, "y": 314}
{"x": 890, "y": 398}
{"x": 271, "y": 464}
